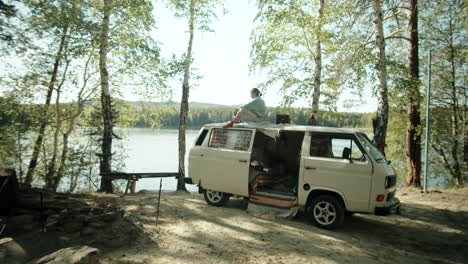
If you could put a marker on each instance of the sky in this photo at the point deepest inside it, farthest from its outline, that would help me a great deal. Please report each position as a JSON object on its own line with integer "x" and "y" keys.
{"x": 222, "y": 58}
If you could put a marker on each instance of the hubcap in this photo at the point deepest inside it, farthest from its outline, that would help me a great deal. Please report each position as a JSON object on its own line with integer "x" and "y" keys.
{"x": 214, "y": 196}
{"x": 324, "y": 213}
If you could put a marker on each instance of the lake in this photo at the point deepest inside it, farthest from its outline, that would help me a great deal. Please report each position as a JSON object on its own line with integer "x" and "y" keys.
{"x": 155, "y": 150}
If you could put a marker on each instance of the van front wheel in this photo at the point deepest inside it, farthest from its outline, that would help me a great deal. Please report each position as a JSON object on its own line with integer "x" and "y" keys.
{"x": 326, "y": 212}
{"x": 216, "y": 198}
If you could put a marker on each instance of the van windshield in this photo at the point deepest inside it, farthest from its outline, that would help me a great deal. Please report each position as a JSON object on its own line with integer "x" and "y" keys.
{"x": 370, "y": 148}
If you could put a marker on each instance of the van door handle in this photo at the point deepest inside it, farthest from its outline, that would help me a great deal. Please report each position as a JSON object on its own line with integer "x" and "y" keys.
{"x": 309, "y": 168}
{"x": 201, "y": 155}
{"x": 244, "y": 161}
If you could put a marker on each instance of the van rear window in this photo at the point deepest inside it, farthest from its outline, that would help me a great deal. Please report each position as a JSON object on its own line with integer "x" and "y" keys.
{"x": 230, "y": 139}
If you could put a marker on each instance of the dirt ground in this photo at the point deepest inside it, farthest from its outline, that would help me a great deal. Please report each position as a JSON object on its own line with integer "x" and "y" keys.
{"x": 432, "y": 228}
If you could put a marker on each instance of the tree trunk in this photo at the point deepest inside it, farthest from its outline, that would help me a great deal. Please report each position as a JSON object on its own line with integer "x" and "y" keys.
{"x": 184, "y": 107}
{"x": 413, "y": 134}
{"x": 458, "y": 177}
{"x": 51, "y": 176}
{"x": 106, "y": 147}
{"x": 318, "y": 67}
{"x": 64, "y": 154}
{"x": 465, "y": 129}
{"x": 45, "y": 112}
{"x": 381, "y": 120}
{"x": 71, "y": 127}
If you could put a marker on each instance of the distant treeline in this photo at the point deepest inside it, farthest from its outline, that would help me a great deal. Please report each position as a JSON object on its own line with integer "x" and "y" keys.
{"x": 167, "y": 115}
{"x": 169, "y": 118}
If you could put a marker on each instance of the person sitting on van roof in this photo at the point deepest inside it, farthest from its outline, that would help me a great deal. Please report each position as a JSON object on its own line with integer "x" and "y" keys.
{"x": 253, "y": 111}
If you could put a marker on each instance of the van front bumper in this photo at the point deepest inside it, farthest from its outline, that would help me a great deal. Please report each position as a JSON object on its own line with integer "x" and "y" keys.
{"x": 393, "y": 208}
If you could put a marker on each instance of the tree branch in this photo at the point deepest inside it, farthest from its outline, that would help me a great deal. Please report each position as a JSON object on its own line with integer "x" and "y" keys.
{"x": 396, "y": 32}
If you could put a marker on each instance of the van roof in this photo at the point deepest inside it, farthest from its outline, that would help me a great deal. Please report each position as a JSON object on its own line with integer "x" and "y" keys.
{"x": 287, "y": 127}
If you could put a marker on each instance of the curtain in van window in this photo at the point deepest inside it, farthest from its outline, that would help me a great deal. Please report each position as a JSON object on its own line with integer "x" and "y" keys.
{"x": 230, "y": 139}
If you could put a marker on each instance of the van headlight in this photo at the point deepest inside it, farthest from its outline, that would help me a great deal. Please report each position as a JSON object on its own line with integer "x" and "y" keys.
{"x": 390, "y": 181}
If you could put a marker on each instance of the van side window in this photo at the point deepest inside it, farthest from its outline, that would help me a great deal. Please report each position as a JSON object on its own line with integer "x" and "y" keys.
{"x": 201, "y": 138}
{"x": 230, "y": 139}
{"x": 321, "y": 146}
{"x": 335, "y": 147}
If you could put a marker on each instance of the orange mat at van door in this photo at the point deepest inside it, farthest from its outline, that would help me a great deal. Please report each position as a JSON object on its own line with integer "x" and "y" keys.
{"x": 272, "y": 201}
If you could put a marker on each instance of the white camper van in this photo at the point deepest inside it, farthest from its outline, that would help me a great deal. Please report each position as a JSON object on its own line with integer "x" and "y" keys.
{"x": 329, "y": 172}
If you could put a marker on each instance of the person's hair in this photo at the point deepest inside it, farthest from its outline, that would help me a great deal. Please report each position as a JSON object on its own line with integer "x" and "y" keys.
{"x": 256, "y": 91}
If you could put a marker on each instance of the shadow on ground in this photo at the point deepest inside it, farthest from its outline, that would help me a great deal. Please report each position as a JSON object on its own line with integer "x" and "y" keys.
{"x": 191, "y": 231}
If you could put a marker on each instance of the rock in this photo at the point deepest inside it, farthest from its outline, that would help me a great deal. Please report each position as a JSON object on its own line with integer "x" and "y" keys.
{"x": 72, "y": 255}
{"x": 22, "y": 223}
{"x": 12, "y": 251}
{"x": 87, "y": 231}
{"x": 64, "y": 240}
{"x": 50, "y": 201}
{"x": 115, "y": 242}
{"x": 110, "y": 216}
{"x": 105, "y": 217}
{"x": 22, "y": 220}
{"x": 50, "y": 225}
{"x": 52, "y": 222}
{"x": 22, "y": 211}
{"x": 96, "y": 211}
{"x": 73, "y": 226}
{"x": 53, "y": 218}
{"x": 64, "y": 212}
{"x": 49, "y": 212}
{"x": 97, "y": 225}
{"x": 83, "y": 219}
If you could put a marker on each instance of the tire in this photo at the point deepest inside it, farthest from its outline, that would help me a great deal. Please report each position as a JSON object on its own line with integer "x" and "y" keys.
{"x": 326, "y": 212}
{"x": 349, "y": 214}
{"x": 215, "y": 198}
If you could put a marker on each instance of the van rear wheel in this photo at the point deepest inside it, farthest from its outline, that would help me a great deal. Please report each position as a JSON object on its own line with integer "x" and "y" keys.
{"x": 216, "y": 198}
{"x": 326, "y": 212}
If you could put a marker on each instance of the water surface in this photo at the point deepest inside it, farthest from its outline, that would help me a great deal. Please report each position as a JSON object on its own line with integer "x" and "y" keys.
{"x": 153, "y": 150}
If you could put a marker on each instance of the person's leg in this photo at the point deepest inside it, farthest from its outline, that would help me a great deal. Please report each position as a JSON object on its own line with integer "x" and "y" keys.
{"x": 243, "y": 113}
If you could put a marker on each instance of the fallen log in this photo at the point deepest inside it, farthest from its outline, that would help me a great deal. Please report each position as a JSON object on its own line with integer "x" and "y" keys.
{"x": 72, "y": 255}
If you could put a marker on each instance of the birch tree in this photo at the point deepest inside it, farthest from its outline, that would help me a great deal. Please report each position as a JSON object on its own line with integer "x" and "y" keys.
{"x": 381, "y": 121}
{"x": 106, "y": 147}
{"x": 136, "y": 65}
{"x": 290, "y": 42}
{"x": 199, "y": 14}
{"x": 42, "y": 22}
{"x": 318, "y": 65}
{"x": 184, "y": 107}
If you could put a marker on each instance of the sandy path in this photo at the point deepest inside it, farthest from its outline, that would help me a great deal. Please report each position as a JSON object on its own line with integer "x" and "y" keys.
{"x": 433, "y": 228}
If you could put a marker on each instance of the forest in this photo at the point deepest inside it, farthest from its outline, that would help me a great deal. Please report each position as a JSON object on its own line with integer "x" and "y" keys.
{"x": 67, "y": 64}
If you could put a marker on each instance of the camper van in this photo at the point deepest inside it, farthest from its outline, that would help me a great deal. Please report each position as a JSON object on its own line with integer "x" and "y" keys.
{"x": 327, "y": 172}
